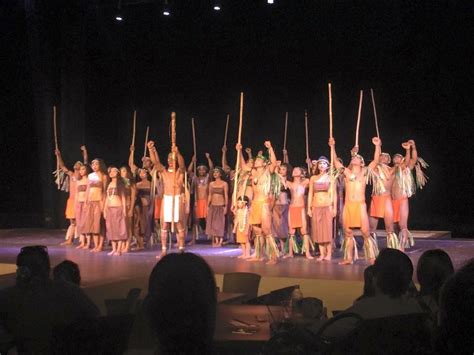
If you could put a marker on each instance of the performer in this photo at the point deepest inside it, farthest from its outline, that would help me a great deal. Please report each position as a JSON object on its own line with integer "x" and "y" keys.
{"x": 322, "y": 207}
{"x": 355, "y": 210}
{"x": 280, "y": 208}
{"x": 172, "y": 208}
{"x": 340, "y": 193}
{"x": 297, "y": 214}
{"x": 147, "y": 163}
{"x": 130, "y": 190}
{"x": 141, "y": 207}
{"x": 200, "y": 191}
{"x": 260, "y": 213}
{"x": 115, "y": 212}
{"x": 242, "y": 226}
{"x": 404, "y": 187}
{"x": 217, "y": 208}
{"x": 80, "y": 206}
{"x": 93, "y": 222}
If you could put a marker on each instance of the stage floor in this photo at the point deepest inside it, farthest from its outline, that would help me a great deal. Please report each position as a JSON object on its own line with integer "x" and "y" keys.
{"x": 106, "y": 276}
{"x": 99, "y": 268}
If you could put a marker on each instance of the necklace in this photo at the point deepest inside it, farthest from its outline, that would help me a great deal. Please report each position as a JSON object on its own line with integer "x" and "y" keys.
{"x": 112, "y": 193}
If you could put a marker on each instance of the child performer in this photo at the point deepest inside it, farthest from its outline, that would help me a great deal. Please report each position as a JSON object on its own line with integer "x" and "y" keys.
{"x": 115, "y": 212}
{"x": 242, "y": 226}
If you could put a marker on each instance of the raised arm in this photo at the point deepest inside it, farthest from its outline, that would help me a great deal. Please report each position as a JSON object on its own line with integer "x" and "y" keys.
{"x": 181, "y": 164}
{"x": 242, "y": 162}
{"x": 224, "y": 158}
{"x": 191, "y": 166}
{"x": 414, "y": 155}
{"x": 378, "y": 150}
{"x": 273, "y": 158}
{"x": 209, "y": 161}
{"x": 131, "y": 162}
{"x": 85, "y": 155}
{"x": 249, "y": 153}
{"x": 332, "y": 145}
{"x": 155, "y": 159}
{"x": 286, "y": 160}
{"x": 62, "y": 166}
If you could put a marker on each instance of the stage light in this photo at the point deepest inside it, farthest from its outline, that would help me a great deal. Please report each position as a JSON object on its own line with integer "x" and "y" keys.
{"x": 166, "y": 9}
{"x": 118, "y": 13}
{"x": 217, "y": 5}
{"x": 269, "y": 1}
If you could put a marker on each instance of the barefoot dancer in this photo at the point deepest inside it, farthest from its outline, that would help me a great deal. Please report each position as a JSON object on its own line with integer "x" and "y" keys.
{"x": 94, "y": 224}
{"x": 260, "y": 213}
{"x": 382, "y": 179}
{"x": 115, "y": 212}
{"x": 141, "y": 207}
{"x": 404, "y": 187}
{"x": 280, "y": 208}
{"x": 172, "y": 208}
{"x": 80, "y": 208}
{"x": 130, "y": 196}
{"x": 297, "y": 214}
{"x": 217, "y": 208}
{"x": 355, "y": 210}
{"x": 74, "y": 176}
{"x": 242, "y": 226}
{"x": 200, "y": 190}
{"x": 322, "y": 207}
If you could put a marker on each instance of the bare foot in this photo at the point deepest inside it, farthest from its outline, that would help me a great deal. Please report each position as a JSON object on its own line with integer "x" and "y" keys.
{"x": 346, "y": 262}
{"x": 241, "y": 257}
{"x": 328, "y": 258}
{"x": 81, "y": 246}
{"x": 255, "y": 259}
{"x": 118, "y": 253}
{"x": 309, "y": 257}
{"x": 66, "y": 243}
{"x": 320, "y": 258}
{"x": 288, "y": 256}
{"x": 111, "y": 253}
{"x": 271, "y": 262}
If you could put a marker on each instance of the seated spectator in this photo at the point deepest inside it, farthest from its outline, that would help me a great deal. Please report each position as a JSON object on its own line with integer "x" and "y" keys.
{"x": 181, "y": 304}
{"x": 393, "y": 272}
{"x": 456, "y": 313}
{"x": 35, "y": 305}
{"x": 433, "y": 269}
{"x": 369, "y": 286}
{"x": 67, "y": 271}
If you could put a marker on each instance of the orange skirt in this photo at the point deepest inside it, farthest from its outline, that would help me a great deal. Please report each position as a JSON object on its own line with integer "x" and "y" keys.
{"x": 70, "y": 208}
{"x": 377, "y": 206}
{"x": 396, "y": 209}
{"x": 157, "y": 212}
{"x": 351, "y": 214}
{"x": 256, "y": 212}
{"x": 296, "y": 216}
{"x": 201, "y": 208}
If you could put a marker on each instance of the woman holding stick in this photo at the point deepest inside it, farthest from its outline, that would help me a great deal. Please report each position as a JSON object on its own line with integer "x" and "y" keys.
{"x": 80, "y": 207}
{"x": 217, "y": 208}
{"x": 115, "y": 212}
{"x": 93, "y": 223}
{"x": 322, "y": 207}
{"x": 130, "y": 191}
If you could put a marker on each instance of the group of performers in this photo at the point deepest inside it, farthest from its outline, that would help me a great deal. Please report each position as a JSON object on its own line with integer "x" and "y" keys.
{"x": 265, "y": 205}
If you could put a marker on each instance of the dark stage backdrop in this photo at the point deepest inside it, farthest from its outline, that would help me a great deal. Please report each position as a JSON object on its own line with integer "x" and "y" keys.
{"x": 415, "y": 54}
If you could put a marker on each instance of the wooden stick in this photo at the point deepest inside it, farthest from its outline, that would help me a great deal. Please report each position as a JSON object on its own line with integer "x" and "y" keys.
{"x": 330, "y": 111}
{"x": 173, "y": 145}
{"x": 331, "y": 167}
{"x": 146, "y": 140}
{"x": 194, "y": 145}
{"x": 307, "y": 140}
{"x": 375, "y": 113}
{"x": 286, "y": 131}
{"x": 226, "y": 130}
{"x": 134, "y": 127}
{"x": 358, "y": 118}
{"x": 239, "y": 141}
{"x": 56, "y": 146}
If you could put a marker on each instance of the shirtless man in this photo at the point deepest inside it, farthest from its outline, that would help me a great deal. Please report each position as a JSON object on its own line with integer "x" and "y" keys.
{"x": 402, "y": 189}
{"x": 355, "y": 210}
{"x": 74, "y": 176}
{"x": 173, "y": 206}
{"x": 260, "y": 213}
{"x": 297, "y": 213}
{"x": 381, "y": 202}
{"x": 200, "y": 190}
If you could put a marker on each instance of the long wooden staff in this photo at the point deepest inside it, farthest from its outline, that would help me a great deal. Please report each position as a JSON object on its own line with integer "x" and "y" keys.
{"x": 56, "y": 146}
{"x": 239, "y": 141}
{"x": 358, "y": 118}
{"x": 307, "y": 140}
{"x": 286, "y": 131}
{"x": 375, "y": 113}
{"x": 194, "y": 145}
{"x": 134, "y": 127}
{"x": 173, "y": 154}
{"x": 331, "y": 169}
{"x": 226, "y": 130}
{"x": 146, "y": 140}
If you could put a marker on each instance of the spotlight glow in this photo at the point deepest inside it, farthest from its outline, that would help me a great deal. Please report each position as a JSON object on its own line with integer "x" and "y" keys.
{"x": 166, "y": 13}
{"x": 119, "y": 18}
{"x": 269, "y": 1}
{"x": 217, "y": 7}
